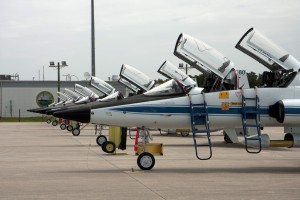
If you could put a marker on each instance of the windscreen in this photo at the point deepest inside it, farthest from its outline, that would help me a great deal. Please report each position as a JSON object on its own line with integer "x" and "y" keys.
{"x": 111, "y": 97}
{"x": 168, "y": 88}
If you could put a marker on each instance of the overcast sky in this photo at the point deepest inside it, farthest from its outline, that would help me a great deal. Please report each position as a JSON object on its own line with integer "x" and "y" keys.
{"x": 140, "y": 33}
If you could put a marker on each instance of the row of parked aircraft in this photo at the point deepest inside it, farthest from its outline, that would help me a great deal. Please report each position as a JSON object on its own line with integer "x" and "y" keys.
{"x": 225, "y": 103}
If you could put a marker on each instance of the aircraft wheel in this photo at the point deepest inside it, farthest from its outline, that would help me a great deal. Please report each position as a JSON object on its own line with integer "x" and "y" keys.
{"x": 54, "y": 123}
{"x": 101, "y": 139}
{"x": 108, "y": 147}
{"x": 185, "y": 134}
{"x": 48, "y": 121}
{"x": 146, "y": 161}
{"x": 70, "y": 128}
{"x": 63, "y": 126}
{"x": 227, "y": 139}
{"x": 76, "y": 132}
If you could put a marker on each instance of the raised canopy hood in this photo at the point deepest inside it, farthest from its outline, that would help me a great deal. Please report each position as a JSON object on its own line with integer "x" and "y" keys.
{"x": 202, "y": 56}
{"x": 266, "y": 52}
{"x": 136, "y": 77}
{"x": 169, "y": 70}
{"x": 102, "y": 86}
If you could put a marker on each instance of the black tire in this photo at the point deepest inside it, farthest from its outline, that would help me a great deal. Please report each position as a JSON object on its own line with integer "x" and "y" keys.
{"x": 185, "y": 134}
{"x": 146, "y": 161}
{"x": 101, "y": 139}
{"x": 108, "y": 147}
{"x": 54, "y": 123}
{"x": 63, "y": 127}
{"x": 227, "y": 139}
{"x": 48, "y": 121}
{"x": 76, "y": 131}
{"x": 70, "y": 128}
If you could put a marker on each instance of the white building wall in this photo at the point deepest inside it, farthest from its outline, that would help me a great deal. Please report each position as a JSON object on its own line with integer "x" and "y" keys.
{"x": 15, "y": 99}
{"x": 19, "y": 95}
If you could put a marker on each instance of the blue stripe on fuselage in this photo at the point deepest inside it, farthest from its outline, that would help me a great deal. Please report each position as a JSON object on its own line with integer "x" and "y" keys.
{"x": 162, "y": 109}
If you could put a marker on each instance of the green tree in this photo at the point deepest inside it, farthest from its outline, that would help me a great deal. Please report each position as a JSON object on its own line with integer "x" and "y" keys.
{"x": 253, "y": 79}
{"x": 200, "y": 80}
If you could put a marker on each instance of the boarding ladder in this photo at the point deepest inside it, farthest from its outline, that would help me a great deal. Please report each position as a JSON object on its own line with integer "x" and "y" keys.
{"x": 251, "y": 113}
{"x": 199, "y": 116}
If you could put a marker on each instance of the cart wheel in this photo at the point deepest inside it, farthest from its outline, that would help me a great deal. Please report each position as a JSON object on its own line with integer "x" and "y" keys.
{"x": 185, "y": 134}
{"x": 146, "y": 161}
{"x": 227, "y": 139}
{"x": 63, "y": 126}
{"x": 48, "y": 121}
{"x": 76, "y": 132}
{"x": 108, "y": 147}
{"x": 54, "y": 123}
{"x": 70, "y": 128}
{"x": 101, "y": 139}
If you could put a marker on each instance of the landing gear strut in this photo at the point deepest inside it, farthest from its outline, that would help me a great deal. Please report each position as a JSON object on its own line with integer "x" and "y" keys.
{"x": 146, "y": 160}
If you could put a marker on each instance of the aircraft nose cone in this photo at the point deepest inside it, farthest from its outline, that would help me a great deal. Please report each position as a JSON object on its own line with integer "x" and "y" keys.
{"x": 38, "y": 110}
{"x": 79, "y": 114}
{"x": 31, "y": 110}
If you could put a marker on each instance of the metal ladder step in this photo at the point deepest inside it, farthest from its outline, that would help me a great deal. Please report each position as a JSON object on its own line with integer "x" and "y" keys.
{"x": 200, "y": 118}
{"x": 254, "y": 114}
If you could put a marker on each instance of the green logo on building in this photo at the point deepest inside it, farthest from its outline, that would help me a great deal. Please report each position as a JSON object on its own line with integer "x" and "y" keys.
{"x": 44, "y": 98}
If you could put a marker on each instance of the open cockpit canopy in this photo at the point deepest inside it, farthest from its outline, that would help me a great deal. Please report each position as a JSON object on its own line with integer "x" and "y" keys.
{"x": 169, "y": 70}
{"x": 62, "y": 96}
{"x": 262, "y": 49}
{"x": 129, "y": 85}
{"x": 202, "y": 56}
{"x": 102, "y": 86}
{"x": 170, "y": 87}
{"x": 72, "y": 94}
{"x": 84, "y": 91}
{"x": 283, "y": 66}
{"x": 136, "y": 77}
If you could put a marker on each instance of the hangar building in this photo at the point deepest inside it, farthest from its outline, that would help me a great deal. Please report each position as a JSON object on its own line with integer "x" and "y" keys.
{"x": 16, "y": 97}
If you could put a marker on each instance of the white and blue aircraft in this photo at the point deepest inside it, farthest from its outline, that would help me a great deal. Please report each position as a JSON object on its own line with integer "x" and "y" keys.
{"x": 220, "y": 105}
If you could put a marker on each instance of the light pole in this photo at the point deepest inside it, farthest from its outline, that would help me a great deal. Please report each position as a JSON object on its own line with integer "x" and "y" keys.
{"x": 58, "y": 66}
{"x": 186, "y": 67}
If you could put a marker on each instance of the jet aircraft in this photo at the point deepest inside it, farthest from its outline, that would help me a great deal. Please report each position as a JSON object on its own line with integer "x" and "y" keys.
{"x": 219, "y": 106}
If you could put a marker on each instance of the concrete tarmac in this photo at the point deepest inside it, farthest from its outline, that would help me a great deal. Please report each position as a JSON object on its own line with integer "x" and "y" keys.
{"x": 39, "y": 161}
